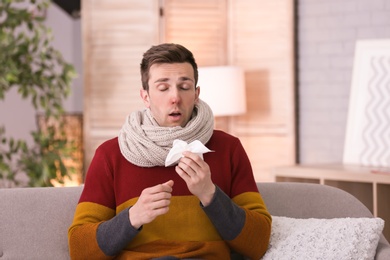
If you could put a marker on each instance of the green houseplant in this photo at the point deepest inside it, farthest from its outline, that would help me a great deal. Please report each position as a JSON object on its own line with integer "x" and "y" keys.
{"x": 42, "y": 76}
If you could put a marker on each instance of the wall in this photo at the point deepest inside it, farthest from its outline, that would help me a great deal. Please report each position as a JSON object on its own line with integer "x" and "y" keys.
{"x": 67, "y": 39}
{"x": 327, "y": 32}
{"x": 17, "y": 114}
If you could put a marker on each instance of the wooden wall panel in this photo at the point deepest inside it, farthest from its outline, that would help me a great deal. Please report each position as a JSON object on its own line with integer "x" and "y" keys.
{"x": 199, "y": 25}
{"x": 262, "y": 42}
{"x": 115, "y": 35}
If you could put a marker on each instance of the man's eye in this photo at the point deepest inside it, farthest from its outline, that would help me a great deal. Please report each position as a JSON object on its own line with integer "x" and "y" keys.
{"x": 185, "y": 87}
{"x": 162, "y": 87}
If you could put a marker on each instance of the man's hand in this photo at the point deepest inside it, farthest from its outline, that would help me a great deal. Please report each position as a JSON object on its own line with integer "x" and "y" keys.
{"x": 196, "y": 173}
{"x": 153, "y": 201}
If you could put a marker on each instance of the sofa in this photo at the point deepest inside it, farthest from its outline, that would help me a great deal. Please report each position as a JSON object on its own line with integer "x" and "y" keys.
{"x": 34, "y": 221}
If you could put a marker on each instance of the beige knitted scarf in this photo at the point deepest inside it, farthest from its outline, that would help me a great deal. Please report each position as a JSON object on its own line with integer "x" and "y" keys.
{"x": 144, "y": 143}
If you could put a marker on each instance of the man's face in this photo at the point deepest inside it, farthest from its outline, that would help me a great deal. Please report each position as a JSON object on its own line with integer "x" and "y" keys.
{"x": 172, "y": 94}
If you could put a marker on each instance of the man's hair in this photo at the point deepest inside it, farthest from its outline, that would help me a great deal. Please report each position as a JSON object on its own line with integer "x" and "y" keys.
{"x": 166, "y": 53}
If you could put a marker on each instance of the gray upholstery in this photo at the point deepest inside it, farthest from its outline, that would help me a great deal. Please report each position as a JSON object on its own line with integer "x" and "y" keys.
{"x": 34, "y": 221}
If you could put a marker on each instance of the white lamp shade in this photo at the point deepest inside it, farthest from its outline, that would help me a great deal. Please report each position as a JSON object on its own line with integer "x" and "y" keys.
{"x": 223, "y": 89}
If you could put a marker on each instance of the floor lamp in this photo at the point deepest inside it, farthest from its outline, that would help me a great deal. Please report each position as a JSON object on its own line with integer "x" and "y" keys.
{"x": 223, "y": 89}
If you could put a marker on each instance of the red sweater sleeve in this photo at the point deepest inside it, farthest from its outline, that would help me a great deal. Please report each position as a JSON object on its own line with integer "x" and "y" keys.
{"x": 96, "y": 205}
{"x": 253, "y": 236}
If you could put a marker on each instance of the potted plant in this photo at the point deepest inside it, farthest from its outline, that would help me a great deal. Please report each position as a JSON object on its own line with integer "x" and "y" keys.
{"x": 42, "y": 76}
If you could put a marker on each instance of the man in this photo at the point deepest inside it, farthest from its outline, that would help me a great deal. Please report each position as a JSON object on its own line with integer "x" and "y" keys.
{"x": 133, "y": 207}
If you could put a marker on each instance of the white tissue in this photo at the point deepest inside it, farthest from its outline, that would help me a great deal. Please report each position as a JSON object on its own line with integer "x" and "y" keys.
{"x": 180, "y": 146}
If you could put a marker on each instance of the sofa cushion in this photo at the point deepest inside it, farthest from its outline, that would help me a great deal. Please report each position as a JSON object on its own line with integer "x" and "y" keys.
{"x": 337, "y": 238}
{"x": 34, "y": 222}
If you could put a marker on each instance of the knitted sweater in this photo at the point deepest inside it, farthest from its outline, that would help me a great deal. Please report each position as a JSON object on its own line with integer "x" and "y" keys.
{"x": 236, "y": 219}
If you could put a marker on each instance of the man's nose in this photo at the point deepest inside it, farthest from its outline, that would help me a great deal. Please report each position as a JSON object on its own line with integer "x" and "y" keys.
{"x": 175, "y": 95}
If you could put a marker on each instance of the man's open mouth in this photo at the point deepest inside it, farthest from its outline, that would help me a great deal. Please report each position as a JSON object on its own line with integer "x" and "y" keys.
{"x": 175, "y": 114}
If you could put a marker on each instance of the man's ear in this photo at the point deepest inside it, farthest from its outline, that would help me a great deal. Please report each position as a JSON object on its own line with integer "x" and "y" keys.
{"x": 197, "y": 92}
{"x": 145, "y": 97}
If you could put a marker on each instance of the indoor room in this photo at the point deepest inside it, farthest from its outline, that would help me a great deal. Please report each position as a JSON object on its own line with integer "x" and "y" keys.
{"x": 303, "y": 86}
